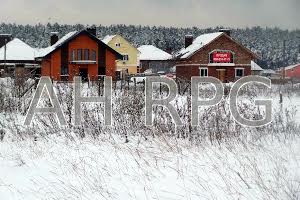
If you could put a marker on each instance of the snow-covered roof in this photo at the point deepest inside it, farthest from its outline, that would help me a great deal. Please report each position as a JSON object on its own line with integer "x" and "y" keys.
{"x": 108, "y": 38}
{"x": 16, "y": 49}
{"x": 150, "y": 52}
{"x": 292, "y": 66}
{"x": 269, "y": 71}
{"x": 198, "y": 43}
{"x": 46, "y": 51}
{"x": 255, "y": 67}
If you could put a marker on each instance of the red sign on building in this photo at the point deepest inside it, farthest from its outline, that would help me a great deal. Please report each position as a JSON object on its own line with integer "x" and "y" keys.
{"x": 222, "y": 57}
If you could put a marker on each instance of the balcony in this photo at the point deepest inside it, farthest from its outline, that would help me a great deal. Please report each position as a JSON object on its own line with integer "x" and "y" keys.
{"x": 85, "y": 62}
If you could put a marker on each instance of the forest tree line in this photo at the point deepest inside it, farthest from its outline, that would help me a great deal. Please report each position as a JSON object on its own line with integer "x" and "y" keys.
{"x": 276, "y": 47}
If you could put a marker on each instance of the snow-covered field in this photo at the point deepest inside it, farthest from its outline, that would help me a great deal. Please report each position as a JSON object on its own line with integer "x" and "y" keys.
{"x": 253, "y": 163}
{"x": 55, "y": 168}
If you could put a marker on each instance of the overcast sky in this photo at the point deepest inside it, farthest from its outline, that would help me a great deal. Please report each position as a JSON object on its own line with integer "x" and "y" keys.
{"x": 179, "y": 13}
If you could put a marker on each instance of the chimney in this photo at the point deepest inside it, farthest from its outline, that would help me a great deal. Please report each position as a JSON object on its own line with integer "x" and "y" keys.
{"x": 188, "y": 40}
{"x": 226, "y": 31}
{"x": 92, "y": 30}
{"x": 4, "y": 39}
{"x": 53, "y": 38}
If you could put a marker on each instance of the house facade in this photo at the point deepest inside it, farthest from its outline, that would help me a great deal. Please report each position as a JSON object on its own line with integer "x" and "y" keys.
{"x": 78, "y": 53}
{"x": 214, "y": 54}
{"x": 129, "y": 63}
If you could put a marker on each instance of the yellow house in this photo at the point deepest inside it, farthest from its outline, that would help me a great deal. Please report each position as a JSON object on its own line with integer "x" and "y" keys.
{"x": 130, "y": 62}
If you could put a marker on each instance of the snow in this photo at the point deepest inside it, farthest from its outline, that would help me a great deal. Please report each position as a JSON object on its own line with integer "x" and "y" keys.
{"x": 108, "y": 38}
{"x": 255, "y": 67}
{"x": 292, "y": 66}
{"x": 16, "y": 49}
{"x": 198, "y": 43}
{"x": 150, "y": 52}
{"x": 46, "y": 51}
{"x": 56, "y": 168}
{"x": 269, "y": 71}
{"x": 62, "y": 165}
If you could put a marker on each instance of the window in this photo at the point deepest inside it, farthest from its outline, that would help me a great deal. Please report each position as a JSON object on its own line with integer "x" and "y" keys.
{"x": 64, "y": 70}
{"x": 73, "y": 55}
{"x": 86, "y": 54}
{"x": 118, "y": 45}
{"x": 93, "y": 55}
{"x": 125, "y": 57}
{"x": 239, "y": 72}
{"x": 79, "y": 54}
{"x": 203, "y": 72}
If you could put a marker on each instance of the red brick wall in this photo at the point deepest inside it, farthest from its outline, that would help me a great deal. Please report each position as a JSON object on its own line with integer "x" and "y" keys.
{"x": 242, "y": 59}
{"x": 110, "y": 64}
{"x": 293, "y": 73}
{"x": 51, "y": 67}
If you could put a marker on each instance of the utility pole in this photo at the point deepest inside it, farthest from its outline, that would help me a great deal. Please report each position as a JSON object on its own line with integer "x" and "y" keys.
{"x": 5, "y": 41}
{"x": 298, "y": 58}
{"x": 284, "y": 51}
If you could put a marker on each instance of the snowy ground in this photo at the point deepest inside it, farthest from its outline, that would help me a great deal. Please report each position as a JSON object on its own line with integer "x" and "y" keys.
{"x": 65, "y": 166}
{"x": 87, "y": 169}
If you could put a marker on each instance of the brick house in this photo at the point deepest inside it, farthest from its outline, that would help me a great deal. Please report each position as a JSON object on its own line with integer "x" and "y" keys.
{"x": 79, "y": 53}
{"x": 214, "y": 54}
{"x": 292, "y": 72}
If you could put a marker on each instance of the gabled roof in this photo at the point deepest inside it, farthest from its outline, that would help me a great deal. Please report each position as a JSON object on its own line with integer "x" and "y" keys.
{"x": 108, "y": 38}
{"x": 16, "y": 50}
{"x": 150, "y": 52}
{"x": 69, "y": 37}
{"x": 204, "y": 40}
{"x": 255, "y": 67}
{"x": 292, "y": 66}
{"x": 197, "y": 44}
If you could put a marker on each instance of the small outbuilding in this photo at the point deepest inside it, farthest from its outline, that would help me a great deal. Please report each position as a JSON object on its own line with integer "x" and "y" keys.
{"x": 155, "y": 59}
{"x": 18, "y": 59}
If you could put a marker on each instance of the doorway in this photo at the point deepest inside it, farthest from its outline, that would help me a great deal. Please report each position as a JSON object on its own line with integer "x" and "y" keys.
{"x": 221, "y": 74}
{"x": 83, "y": 72}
